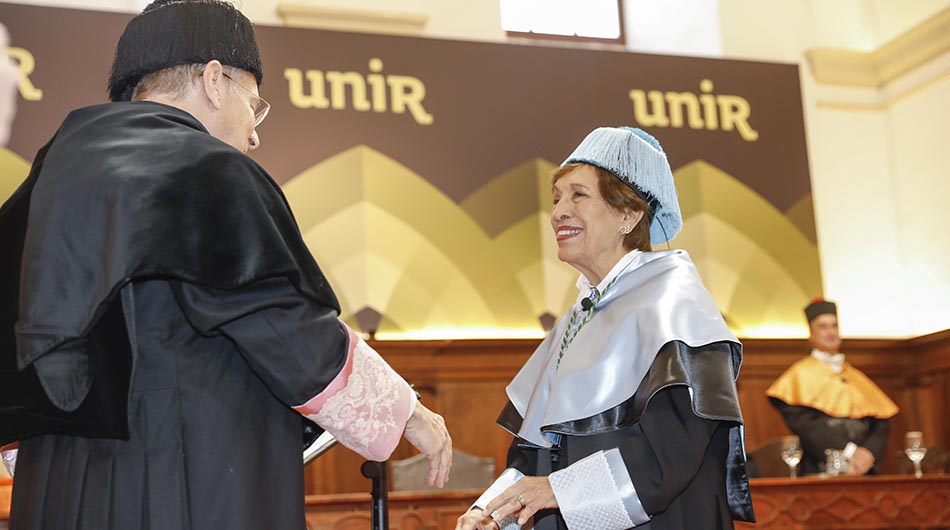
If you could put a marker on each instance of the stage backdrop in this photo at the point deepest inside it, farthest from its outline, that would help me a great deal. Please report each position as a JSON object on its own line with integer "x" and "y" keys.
{"x": 419, "y": 169}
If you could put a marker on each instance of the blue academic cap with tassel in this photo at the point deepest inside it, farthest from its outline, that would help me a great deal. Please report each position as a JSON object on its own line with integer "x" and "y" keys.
{"x": 637, "y": 159}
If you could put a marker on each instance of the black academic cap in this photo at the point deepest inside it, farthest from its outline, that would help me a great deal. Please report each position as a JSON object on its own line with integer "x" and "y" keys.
{"x": 820, "y": 306}
{"x": 172, "y": 32}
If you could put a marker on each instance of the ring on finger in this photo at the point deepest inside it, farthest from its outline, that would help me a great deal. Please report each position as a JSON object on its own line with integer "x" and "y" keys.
{"x": 521, "y": 501}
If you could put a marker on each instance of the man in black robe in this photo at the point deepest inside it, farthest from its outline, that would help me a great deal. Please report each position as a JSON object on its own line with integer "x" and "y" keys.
{"x": 830, "y": 404}
{"x": 166, "y": 338}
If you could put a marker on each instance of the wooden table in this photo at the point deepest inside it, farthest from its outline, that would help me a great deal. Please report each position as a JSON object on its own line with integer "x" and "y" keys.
{"x": 862, "y": 503}
{"x": 865, "y": 503}
{"x": 407, "y": 510}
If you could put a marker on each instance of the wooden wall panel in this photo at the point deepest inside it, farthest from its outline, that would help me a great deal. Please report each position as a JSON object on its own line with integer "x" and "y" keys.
{"x": 473, "y": 429}
{"x": 465, "y": 381}
{"x": 929, "y": 386}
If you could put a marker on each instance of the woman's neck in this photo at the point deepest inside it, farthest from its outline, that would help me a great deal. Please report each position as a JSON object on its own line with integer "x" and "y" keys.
{"x": 597, "y": 270}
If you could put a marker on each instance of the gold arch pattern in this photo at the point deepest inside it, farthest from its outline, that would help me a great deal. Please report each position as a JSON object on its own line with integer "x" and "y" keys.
{"x": 450, "y": 275}
{"x": 13, "y": 171}
{"x": 758, "y": 263}
{"x": 487, "y": 267}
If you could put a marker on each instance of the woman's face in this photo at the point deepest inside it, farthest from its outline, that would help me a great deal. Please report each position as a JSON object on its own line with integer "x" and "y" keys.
{"x": 586, "y": 226}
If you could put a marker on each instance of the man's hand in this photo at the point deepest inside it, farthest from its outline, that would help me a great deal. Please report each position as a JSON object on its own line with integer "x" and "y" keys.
{"x": 862, "y": 462}
{"x": 426, "y": 431}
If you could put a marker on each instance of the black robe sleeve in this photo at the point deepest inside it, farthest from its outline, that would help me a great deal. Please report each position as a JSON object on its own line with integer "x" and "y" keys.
{"x": 876, "y": 442}
{"x": 811, "y": 427}
{"x": 665, "y": 456}
{"x": 521, "y": 460}
{"x": 295, "y": 345}
{"x": 816, "y": 434}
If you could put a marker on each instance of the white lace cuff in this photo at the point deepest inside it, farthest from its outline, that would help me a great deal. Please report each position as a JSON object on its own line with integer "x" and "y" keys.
{"x": 596, "y": 493}
{"x": 366, "y": 406}
{"x": 9, "y": 460}
{"x": 503, "y": 482}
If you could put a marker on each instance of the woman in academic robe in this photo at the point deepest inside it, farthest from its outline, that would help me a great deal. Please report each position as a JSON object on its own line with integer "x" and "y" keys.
{"x": 627, "y": 414}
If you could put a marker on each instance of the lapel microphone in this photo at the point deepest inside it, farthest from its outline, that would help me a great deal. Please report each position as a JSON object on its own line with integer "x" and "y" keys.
{"x": 587, "y": 303}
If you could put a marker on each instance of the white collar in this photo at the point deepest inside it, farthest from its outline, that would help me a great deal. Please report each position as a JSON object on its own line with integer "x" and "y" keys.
{"x": 584, "y": 286}
{"x": 833, "y": 361}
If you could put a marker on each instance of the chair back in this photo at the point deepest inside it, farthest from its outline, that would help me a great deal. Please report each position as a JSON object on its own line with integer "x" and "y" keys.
{"x": 468, "y": 472}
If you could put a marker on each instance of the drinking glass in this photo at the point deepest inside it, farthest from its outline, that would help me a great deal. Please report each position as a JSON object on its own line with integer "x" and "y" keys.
{"x": 915, "y": 450}
{"x": 792, "y": 454}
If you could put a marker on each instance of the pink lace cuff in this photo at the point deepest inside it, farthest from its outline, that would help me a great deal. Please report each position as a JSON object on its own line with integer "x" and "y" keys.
{"x": 367, "y": 404}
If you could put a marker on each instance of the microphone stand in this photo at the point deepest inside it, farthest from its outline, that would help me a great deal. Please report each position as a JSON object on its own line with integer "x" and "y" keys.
{"x": 377, "y": 472}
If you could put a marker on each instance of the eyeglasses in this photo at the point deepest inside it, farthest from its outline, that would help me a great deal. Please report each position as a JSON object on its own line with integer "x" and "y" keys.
{"x": 260, "y": 105}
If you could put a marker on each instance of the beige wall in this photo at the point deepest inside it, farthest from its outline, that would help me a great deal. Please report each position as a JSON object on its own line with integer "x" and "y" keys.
{"x": 893, "y": 17}
{"x": 920, "y": 129}
{"x": 879, "y": 169}
{"x": 129, "y": 6}
{"x": 456, "y": 19}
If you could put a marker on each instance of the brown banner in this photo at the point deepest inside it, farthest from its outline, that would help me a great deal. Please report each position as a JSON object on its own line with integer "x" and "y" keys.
{"x": 465, "y": 118}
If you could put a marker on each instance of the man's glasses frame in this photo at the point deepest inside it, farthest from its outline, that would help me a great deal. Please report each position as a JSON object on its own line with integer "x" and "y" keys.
{"x": 260, "y": 105}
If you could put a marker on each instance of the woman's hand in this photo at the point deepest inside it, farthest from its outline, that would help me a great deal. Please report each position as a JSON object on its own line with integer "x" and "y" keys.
{"x": 524, "y": 498}
{"x": 475, "y": 519}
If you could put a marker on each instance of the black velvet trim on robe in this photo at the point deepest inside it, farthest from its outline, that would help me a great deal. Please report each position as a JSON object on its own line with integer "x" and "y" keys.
{"x": 124, "y": 191}
{"x": 709, "y": 371}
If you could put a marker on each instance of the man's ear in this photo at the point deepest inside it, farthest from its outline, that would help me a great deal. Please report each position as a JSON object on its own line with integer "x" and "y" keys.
{"x": 212, "y": 83}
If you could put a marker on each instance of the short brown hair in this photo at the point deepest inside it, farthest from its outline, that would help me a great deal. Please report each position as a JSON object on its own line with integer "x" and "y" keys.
{"x": 620, "y": 197}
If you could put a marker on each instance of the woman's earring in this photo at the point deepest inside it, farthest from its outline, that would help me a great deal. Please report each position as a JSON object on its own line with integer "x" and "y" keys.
{"x": 624, "y": 230}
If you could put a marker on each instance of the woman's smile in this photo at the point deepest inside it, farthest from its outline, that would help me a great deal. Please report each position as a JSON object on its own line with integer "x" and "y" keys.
{"x": 567, "y": 232}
